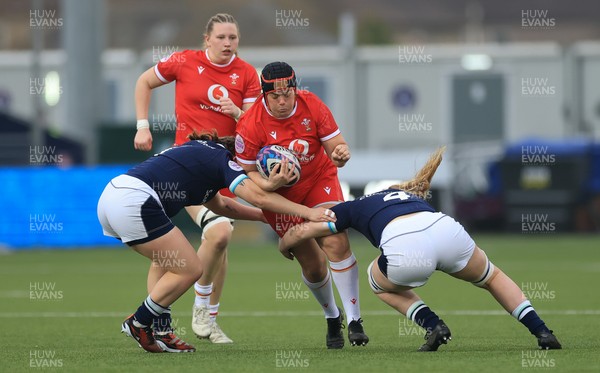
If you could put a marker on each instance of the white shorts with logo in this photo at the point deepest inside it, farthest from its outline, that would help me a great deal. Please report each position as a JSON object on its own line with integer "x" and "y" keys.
{"x": 414, "y": 247}
{"x": 130, "y": 210}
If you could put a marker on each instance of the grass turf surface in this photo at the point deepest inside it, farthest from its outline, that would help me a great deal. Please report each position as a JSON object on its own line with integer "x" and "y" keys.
{"x": 97, "y": 289}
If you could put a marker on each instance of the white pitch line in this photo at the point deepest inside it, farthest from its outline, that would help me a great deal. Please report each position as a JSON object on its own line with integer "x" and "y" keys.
{"x": 14, "y": 294}
{"x": 288, "y": 313}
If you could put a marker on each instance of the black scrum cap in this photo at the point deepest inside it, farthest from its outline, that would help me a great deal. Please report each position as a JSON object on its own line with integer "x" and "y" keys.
{"x": 277, "y": 75}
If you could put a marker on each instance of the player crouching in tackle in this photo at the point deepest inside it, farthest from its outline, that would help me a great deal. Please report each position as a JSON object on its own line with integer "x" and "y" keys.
{"x": 137, "y": 207}
{"x": 403, "y": 225}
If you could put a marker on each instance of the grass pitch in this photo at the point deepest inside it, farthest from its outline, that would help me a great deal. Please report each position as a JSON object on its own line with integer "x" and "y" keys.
{"x": 62, "y": 310}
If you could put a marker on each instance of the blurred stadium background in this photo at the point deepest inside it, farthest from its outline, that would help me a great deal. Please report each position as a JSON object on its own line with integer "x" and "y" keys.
{"x": 511, "y": 88}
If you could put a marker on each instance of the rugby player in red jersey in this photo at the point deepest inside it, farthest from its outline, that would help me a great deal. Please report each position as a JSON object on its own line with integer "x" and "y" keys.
{"x": 300, "y": 121}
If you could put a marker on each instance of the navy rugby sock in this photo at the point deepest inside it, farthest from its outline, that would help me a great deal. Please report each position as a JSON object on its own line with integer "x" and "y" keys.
{"x": 422, "y": 315}
{"x": 147, "y": 311}
{"x": 527, "y": 316}
{"x": 162, "y": 323}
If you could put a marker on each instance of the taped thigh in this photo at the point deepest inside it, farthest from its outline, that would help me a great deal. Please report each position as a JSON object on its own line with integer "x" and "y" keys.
{"x": 486, "y": 275}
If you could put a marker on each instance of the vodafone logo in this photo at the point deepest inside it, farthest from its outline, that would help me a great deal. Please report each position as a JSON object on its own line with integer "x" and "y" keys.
{"x": 299, "y": 146}
{"x": 215, "y": 92}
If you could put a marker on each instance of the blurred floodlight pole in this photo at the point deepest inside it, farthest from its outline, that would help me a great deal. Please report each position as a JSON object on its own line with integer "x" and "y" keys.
{"x": 39, "y": 120}
{"x": 347, "y": 27}
{"x": 474, "y": 31}
{"x": 83, "y": 41}
{"x": 347, "y": 41}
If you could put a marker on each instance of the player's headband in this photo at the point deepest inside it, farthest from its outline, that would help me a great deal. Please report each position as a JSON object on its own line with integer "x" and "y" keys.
{"x": 277, "y": 75}
{"x": 270, "y": 85}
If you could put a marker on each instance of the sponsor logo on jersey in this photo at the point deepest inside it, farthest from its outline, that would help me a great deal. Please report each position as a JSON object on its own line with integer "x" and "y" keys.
{"x": 202, "y": 142}
{"x": 200, "y": 70}
{"x": 234, "y": 77}
{"x": 206, "y": 196}
{"x": 300, "y": 149}
{"x": 327, "y": 190}
{"x": 239, "y": 144}
{"x": 234, "y": 166}
{"x": 216, "y": 92}
{"x": 273, "y": 134}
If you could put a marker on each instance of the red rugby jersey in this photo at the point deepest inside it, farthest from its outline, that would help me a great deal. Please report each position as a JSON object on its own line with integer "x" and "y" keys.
{"x": 199, "y": 86}
{"x": 309, "y": 124}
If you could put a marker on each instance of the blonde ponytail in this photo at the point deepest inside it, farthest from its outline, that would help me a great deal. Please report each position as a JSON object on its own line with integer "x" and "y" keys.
{"x": 421, "y": 183}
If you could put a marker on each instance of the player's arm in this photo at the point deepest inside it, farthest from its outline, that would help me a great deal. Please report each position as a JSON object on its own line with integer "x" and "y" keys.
{"x": 143, "y": 91}
{"x": 302, "y": 232}
{"x": 244, "y": 109}
{"x": 249, "y": 191}
{"x": 252, "y": 90}
{"x": 337, "y": 150}
{"x": 226, "y": 206}
{"x": 231, "y": 109}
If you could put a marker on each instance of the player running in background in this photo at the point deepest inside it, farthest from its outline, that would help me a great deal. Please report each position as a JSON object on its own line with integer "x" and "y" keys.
{"x": 404, "y": 227}
{"x": 136, "y": 208}
{"x": 213, "y": 87}
{"x": 300, "y": 121}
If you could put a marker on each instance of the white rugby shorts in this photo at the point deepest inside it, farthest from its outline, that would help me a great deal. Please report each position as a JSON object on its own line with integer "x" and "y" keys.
{"x": 130, "y": 210}
{"x": 414, "y": 247}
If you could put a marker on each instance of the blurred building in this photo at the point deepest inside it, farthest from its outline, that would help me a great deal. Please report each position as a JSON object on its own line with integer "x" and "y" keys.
{"x": 509, "y": 87}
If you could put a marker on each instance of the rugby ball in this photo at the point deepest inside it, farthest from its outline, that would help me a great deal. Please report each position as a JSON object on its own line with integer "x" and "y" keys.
{"x": 271, "y": 155}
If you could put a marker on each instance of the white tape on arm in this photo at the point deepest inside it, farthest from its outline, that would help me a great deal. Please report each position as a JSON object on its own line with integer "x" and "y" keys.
{"x": 142, "y": 123}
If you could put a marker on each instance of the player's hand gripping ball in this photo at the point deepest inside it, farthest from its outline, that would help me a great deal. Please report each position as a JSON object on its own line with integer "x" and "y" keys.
{"x": 271, "y": 155}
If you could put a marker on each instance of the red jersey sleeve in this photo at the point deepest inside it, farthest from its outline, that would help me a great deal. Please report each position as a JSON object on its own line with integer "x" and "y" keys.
{"x": 248, "y": 141}
{"x": 167, "y": 69}
{"x": 327, "y": 128}
{"x": 252, "y": 86}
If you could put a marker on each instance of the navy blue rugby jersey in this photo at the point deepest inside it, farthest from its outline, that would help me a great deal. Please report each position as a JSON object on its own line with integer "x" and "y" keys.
{"x": 190, "y": 174}
{"x": 371, "y": 213}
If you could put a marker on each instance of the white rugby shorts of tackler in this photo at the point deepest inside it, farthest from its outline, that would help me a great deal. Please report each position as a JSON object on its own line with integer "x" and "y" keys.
{"x": 414, "y": 247}
{"x": 130, "y": 210}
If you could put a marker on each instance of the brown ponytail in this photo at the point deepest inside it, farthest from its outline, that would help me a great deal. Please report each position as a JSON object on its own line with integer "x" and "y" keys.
{"x": 227, "y": 141}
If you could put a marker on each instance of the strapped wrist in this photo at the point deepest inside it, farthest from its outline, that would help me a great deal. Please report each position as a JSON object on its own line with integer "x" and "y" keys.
{"x": 239, "y": 114}
{"x": 142, "y": 123}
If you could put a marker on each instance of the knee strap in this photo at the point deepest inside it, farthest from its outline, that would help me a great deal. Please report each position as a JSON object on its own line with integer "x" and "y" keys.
{"x": 374, "y": 285}
{"x": 486, "y": 275}
{"x": 206, "y": 219}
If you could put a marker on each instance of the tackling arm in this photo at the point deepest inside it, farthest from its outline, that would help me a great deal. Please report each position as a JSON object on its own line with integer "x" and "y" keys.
{"x": 250, "y": 192}
{"x": 226, "y": 206}
{"x": 301, "y": 232}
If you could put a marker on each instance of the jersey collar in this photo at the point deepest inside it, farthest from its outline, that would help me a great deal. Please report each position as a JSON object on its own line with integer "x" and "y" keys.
{"x": 216, "y": 64}
{"x": 264, "y": 102}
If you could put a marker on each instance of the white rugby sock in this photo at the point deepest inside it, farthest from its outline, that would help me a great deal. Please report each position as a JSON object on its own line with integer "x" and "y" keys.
{"x": 323, "y": 292}
{"x": 213, "y": 310}
{"x": 203, "y": 293}
{"x": 345, "y": 276}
